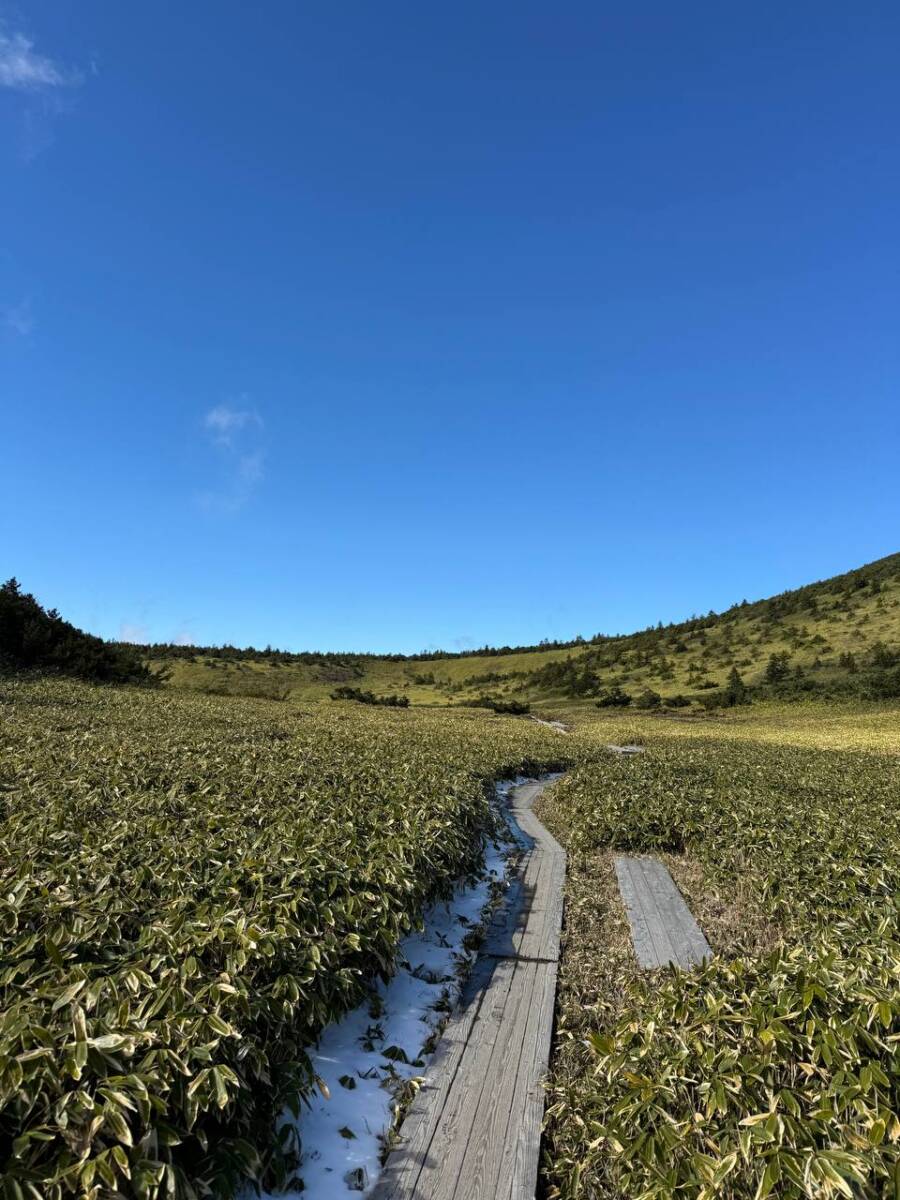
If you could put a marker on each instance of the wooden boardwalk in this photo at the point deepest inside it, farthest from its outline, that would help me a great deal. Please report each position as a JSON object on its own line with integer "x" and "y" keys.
{"x": 473, "y": 1131}
{"x": 662, "y": 928}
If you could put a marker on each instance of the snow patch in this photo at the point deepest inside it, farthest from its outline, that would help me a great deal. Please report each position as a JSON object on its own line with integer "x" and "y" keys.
{"x": 368, "y": 1056}
{"x": 557, "y": 725}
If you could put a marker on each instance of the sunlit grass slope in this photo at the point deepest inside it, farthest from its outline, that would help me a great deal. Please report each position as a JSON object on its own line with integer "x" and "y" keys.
{"x": 828, "y": 631}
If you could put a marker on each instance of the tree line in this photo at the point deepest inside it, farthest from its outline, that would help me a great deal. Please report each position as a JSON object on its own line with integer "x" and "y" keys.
{"x": 33, "y": 638}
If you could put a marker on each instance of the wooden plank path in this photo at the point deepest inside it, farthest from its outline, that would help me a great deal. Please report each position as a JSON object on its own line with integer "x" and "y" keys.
{"x": 662, "y": 928}
{"x": 473, "y": 1131}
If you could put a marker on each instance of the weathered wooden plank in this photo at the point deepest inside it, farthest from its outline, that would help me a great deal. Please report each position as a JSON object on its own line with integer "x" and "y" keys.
{"x": 473, "y": 1130}
{"x": 515, "y": 922}
{"x": 464, "y": 1046}
{"x": 520, "y": 1149}
{"x": 470, "y": 1164}
{"x": 689, "y": 944}
{"x": 663, "y": 930}
{"x": 649, "y": 935}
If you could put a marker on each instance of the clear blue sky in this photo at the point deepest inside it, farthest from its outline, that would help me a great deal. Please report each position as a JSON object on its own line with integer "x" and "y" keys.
{"x": 391, "y": 326}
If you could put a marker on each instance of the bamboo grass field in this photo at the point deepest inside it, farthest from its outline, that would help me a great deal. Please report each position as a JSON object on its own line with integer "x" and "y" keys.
{"x": 196, "y": 885}
{"x": 192, "y": 889}
{"x": 774, "y": 1069}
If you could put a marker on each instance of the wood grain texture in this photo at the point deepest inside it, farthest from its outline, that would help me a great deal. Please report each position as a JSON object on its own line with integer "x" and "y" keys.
{"x": 663, "y": 930}
{"x": 473, "y": 1131}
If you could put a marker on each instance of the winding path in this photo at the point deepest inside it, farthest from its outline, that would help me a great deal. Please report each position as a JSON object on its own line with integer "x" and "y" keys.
{"x": 473, "y": 1131}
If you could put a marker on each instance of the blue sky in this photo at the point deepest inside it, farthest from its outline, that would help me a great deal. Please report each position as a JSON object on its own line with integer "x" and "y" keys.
{"x": 398, "y": 326}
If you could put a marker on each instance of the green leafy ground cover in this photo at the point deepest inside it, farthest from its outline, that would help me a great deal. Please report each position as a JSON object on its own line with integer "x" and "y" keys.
{"x": 776, "y": 1068}
{"x": 190, "y": 888}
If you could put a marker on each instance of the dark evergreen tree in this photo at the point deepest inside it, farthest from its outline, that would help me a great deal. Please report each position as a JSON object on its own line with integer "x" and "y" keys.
{"x": 33, "y": 638}
{"x": 778, "y": 667}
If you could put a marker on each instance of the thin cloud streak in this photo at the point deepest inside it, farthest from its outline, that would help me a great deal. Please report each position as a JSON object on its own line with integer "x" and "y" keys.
{"x": 130, "y": 631}
{"x": 251, "y": 467}
{"x": 224, "y": 422}
{"x": 18, "y": 319}
{"x": 235, "y": 435}
{"x": 25, "y": 71}
{"x": 44, "y": 86}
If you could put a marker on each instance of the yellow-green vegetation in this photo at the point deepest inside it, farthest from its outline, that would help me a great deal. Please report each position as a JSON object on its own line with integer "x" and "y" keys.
{"x": 193, "y": 885}
{"x": 429, "y": 681}
{"x": 775, "y": 1069}
{"x": 840, "y": 637}
{"x": 190, "y": 889}
{"x": 849, "y": 725}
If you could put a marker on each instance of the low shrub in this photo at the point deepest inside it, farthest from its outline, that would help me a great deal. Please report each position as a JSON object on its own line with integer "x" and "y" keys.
{"x": 511, "y": 707}
{"x": 365, "y": 697}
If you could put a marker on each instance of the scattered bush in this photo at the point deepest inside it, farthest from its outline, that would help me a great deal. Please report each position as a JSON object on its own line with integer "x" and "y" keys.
{"x": 363, "y": 697}
{"x": 511, "y": 707}
{"x": 882, "y": 685}
{"x": 882, "y": 656}
{"x": 736, "y": 691}
{"x": 572, "y": 676}
{"x": 778, "y": 667}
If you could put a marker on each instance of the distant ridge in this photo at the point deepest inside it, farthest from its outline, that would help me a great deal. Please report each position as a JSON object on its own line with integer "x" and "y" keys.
{"x": 881, "y": 570}
{"x": 838, "y": 637}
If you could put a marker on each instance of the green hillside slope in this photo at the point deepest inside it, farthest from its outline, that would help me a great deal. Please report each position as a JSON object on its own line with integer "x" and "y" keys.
{"x": 836, "y": 637}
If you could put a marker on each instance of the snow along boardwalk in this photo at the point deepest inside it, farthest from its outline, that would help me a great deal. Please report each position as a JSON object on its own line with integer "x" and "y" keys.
{"x": 473, "y": 1131}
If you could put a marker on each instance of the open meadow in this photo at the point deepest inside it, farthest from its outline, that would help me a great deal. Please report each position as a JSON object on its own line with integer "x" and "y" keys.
{"x": 775, "y": 1068}
{"x": 194, "y": 886}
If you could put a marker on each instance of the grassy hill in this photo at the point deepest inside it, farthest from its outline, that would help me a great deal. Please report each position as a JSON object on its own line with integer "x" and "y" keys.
{"x": 840, "y": 636}
{"x": 197, "y": 885}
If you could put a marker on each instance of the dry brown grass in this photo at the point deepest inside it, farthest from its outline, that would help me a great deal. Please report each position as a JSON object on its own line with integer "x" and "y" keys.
{"x": 732, "y": 920}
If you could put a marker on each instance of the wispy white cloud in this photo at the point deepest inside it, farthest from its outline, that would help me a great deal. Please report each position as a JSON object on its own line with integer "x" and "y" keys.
{"x": 24, "y": 70}
{"x": 225, "y": 422}
{"x": 43, "y": 84}
{"x": 18, "y": 319}
{"x": 131, "y": 631}
{"x": 251, "y": 467}
{"x": 464, "y": 643}
{"x": 235, "y": 432}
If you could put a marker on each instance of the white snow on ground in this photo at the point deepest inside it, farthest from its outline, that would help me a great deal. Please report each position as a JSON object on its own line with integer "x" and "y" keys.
{"x": 342, "y": 1134}
{"x": 557, "y": 725}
